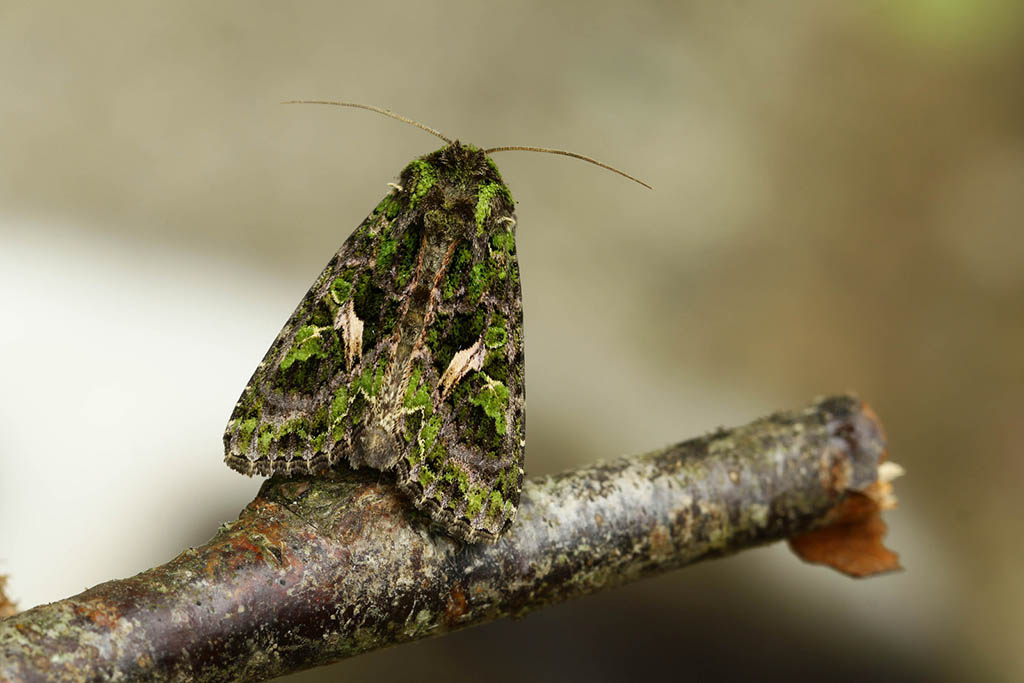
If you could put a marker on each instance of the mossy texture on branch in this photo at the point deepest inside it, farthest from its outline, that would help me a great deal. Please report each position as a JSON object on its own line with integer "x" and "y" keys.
{"x": 318, "y": 569}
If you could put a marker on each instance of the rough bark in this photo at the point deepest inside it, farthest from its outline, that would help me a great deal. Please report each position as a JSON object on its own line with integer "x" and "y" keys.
{"x": 318, "y": 569}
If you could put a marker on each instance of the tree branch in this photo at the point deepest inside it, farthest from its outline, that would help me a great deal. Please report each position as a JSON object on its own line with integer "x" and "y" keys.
{"x": 318, "y": 569}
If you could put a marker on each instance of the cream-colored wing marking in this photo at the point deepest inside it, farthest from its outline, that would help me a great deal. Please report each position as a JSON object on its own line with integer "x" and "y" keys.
{"x": 462, "y": 362}
{"x": 351, "y": 328}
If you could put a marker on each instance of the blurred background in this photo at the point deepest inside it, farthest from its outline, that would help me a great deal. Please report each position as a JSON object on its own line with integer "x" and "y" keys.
{"x": 838, "y": 202}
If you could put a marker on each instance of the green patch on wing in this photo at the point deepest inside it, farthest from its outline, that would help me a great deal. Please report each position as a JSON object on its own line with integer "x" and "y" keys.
{"x": 484, "y": 197}
{"x": 493, "y": 399}
{"x": 386, "y": 253}
{"x": 376, "y": 308}
{"x": 310, "y": 360}
{"x": 479, "y": 404}
{"x": 298, "y": 438}
{"x": 458, "y": 271}
{"x": 450, "y": 333}
{"x": 371, "y": 379}
{"x": 362, "y": 390}
{"x": 496, "y": 506}
{"x": 390, "y": 206}
{"x": 456, "y": 478}
{"x": 319, "y": 428}
{"x": 478, "y": 281}
{"x": 417, "y": 394}
{"x": 357, "y": 408}
{"x": 503, "y": 250}
{"x": 504, "y": 241}
{"x": 496, "y": 366}
{"x": 471, "y": 277}
{"x": 338, "y": 411}
{"x": 341, "y": 288}
{"x": 425, "y": 476}
{"x": 408, "y": 254}
{"x": 246, "y": 428}
{"x": 475, "y": 502}
{"x": 495, "y": 337}
{"x": 264, "y": 439}
{"x": 428, "y": 433}
{"x": 292, "y": 435}
{"x": 422, "y": 176}
{"x": 308, "y": 344}
{"x": 464, "y": 275}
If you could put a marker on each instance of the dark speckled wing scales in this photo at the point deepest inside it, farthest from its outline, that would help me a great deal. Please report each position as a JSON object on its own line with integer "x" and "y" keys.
{"x": 464, "y": 463}
{"x": 406, "y": 354}
{"x": 298, "y": 412}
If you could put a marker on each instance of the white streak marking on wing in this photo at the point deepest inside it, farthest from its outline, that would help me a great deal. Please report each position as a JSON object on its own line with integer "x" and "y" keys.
{"x": 462, "y": 362}
{"x": 351, "y": 332}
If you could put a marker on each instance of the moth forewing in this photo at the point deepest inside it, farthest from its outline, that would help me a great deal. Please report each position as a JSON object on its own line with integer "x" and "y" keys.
{"x": 407, "y": 353}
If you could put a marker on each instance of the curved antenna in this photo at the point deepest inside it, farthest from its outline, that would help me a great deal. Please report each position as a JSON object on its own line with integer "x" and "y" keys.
{"x": 379, "y": 110}
{"x": 564, "y": 153}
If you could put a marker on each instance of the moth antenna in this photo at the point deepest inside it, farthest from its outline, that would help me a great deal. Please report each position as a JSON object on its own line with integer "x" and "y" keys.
{"x": 564, "y": 153}
{"x": 379, "y": 110}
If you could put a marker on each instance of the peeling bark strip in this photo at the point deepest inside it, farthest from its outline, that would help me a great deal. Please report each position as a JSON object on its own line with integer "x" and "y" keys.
{"x": 318, "y": 569}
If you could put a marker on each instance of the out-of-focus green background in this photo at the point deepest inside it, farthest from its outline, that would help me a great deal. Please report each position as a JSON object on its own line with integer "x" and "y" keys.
{"x": 839, "y": 192}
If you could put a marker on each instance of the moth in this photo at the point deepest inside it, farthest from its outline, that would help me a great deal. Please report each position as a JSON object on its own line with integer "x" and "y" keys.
{"x": 406, "y": 354}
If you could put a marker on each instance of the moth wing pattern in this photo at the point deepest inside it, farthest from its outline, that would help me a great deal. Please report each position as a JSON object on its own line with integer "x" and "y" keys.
{"x": 466, "y": 394}
{"x": 406, "y": 354}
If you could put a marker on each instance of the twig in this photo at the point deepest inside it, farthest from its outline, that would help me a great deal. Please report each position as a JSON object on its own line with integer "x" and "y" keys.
{"x": 318, "y": 569}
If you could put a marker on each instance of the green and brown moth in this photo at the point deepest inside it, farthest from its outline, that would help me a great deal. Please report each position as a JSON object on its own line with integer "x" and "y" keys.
{"x": 406, "y": 354}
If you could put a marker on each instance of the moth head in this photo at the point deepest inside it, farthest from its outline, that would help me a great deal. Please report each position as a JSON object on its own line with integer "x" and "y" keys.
{"x": 464, "y": 165}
